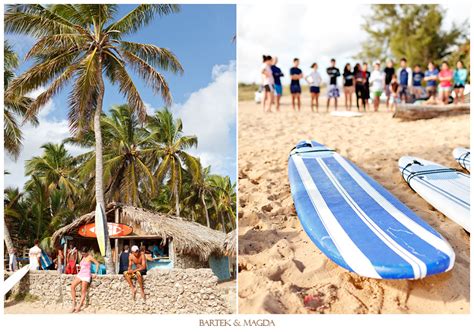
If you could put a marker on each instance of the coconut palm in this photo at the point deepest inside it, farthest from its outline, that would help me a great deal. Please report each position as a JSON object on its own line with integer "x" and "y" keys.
{"x": 166, "y": 148}
{"x": 204, "y": 190}
{"x": 15, "y": 105}
{"x": 55, "y": 169}
{"x": 12, "y": 214}
{"x": 225, "y": 201}
{"x": 125, "y": 169}
{"x": 79, "y": 44}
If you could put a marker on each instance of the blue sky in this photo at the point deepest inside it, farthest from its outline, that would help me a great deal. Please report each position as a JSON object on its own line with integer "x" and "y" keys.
{"x": 201, "y": 38}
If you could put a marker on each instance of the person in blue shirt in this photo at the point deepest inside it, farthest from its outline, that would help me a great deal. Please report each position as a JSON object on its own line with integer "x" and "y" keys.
{"x": 431, "y": 79}
{"x": 417, "y": 81}
{"x": 405, "y": 80}
{"x": 296, "y": 74}
{"x": 460, "y": 78}
{"x": 277, "y": 75}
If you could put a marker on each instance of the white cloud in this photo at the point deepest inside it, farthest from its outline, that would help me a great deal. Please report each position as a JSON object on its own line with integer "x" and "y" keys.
{"x": 210, "y": 114}
{"x": 312, "y": 32}
{"x": 48, "y": 130}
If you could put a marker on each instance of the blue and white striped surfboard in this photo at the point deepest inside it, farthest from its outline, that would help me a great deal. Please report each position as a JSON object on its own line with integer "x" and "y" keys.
{"x": 446, "y": 189}
{"x": 357, "y": 223}
{"x": 463, "y": 157}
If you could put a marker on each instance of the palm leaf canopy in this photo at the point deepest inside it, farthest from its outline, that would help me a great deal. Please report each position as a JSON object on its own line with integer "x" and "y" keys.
{"x": 77, "y": 43}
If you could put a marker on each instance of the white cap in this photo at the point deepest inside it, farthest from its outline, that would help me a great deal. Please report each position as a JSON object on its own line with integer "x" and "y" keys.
{"x": 376, "y": 62}
{"x": 135, "y": 248}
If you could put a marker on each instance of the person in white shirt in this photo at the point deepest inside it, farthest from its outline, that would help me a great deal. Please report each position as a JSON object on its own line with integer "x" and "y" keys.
{"x": 267, "y": 82}
{"x": 377, "y": 80}
{"x": 314, "y": 80}
{"x": 12, "y": 261}
{"x": 35, "y": 257}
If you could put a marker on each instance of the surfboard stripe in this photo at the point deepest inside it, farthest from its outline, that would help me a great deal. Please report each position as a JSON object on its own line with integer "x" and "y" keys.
{"x": 419, "y": 268}
{"x": 435, "y": 241}
{"x": 448, "y": 195}
{"x": 315, "y": 230}
{"x": 351, "y": 253}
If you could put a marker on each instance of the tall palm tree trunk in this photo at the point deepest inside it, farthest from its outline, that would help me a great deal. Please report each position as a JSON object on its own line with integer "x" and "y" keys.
{"x": 207, "y": 212}
{"x": 7, "y": 238}
{"x": 176, "y": 198}
{"x": 99, "y": 165}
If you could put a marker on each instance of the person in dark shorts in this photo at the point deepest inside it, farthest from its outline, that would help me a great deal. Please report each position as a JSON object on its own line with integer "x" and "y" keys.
{"x": 366, "y": 90}
{"x": 333, "y": 91}
{"x": 295, "y": 88}
{"x": 460, "y": 78}
{"x": 123, "y": 259}
{"x": 418, "y": 77}
{"x": 136, "y": 269}
{"x": 431, "y": 79}
{"x": 267, "y": 82}
{"x": 314, "y": 79}
{"x": 348, "y": 85}
{"x": 405, "y": 79}
{"x": 389, "y": 71}
{"x": 361, "y": 79}
{"x": 278, "y": 88}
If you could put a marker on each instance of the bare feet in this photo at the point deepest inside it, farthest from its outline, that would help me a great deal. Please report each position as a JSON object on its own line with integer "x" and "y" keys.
{"x": 77, "y": 309}
{"x": 143, "y": 295}
{"x": 73, "y": 309}
{"x": 134, "y": 293}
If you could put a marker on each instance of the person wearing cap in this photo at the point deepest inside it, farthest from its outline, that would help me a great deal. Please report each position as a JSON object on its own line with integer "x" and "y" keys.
{"x": 377, "y": 81}
{"x": 136, "y": 269}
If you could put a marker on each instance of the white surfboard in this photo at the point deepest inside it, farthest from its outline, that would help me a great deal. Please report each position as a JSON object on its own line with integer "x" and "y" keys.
{"x": 15, "y": 278}
{"x": 444, "y": 188}
{"x": 346, "y": 114}
{"x": 100, "y": 228}
{"x": 463, "y": 157}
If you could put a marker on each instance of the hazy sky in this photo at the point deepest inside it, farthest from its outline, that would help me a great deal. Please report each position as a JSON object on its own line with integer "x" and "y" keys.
{"x": 201, "y": 36}
{"x": 312, "y": 32}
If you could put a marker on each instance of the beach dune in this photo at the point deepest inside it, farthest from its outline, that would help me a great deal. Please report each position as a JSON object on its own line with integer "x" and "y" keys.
{"x": 281, "y": 270}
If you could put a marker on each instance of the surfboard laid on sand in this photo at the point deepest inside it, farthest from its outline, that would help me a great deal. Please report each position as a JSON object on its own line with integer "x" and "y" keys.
{"x": 463, "y": 157}
{"x": 15, "y": 278}
{"x": 446, "y": 189}
{"x": 99, "y": 229}
{"x": 346, "y": 114}
{"x": 357, "y": 223}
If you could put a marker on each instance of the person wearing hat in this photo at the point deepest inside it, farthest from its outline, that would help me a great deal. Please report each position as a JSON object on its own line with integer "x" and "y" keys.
{"x": 136, "y": 270}
{"x": 377, "y": 80}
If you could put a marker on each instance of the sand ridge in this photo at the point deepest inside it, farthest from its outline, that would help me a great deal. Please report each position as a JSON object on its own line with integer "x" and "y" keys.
{"x": 280, "y": 266}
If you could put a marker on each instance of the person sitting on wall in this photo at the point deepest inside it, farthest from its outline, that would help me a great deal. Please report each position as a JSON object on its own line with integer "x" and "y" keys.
{"x": 123, "y": 259}
{"x": 136, "y": 269}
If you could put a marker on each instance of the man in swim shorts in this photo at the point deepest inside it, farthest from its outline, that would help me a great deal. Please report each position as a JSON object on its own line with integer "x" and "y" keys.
{"x": 277, "y": 75}
{"x": 333, "y": 91}
{"x": 136, "y": 269}
{"x": 295, "y": 88}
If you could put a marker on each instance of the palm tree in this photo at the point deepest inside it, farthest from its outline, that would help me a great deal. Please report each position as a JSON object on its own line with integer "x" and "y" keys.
{"x": 125, "y": 169}
{"x": 166, "y": 148}
{"x": 225, "y": 201}
{"x": 55, "y": 169}
{"x": 12, "y": 213}
{"x": 80, "y": 44}
{"x": 204, "y": 189}
{"x": 15, "y": 105}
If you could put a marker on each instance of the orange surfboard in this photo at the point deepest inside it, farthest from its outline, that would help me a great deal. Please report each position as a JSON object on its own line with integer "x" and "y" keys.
{"x": 115, "y": 230}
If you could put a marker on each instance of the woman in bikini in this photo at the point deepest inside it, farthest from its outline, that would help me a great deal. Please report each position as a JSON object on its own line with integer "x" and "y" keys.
{"x": 84, "y": 278}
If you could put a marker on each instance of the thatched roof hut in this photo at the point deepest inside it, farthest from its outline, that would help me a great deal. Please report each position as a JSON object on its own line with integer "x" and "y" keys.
{"x": 188, "y": 237}
{"x": 230, "y": 243}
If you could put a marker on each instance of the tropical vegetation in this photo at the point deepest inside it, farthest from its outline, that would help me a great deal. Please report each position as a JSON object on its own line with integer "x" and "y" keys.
{"x": 129, "y": 156}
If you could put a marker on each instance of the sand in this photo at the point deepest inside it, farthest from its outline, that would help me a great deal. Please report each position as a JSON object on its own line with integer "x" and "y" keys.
{"x": 279, "y": 265}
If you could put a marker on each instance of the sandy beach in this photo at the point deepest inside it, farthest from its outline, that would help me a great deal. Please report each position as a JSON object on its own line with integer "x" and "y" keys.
{"x": 279, "y": 265}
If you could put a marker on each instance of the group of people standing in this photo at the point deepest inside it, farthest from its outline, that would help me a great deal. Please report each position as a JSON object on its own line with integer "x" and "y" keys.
{"x": 399, "y": 86}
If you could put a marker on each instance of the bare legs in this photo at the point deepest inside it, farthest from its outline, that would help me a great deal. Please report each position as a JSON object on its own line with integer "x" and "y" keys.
{"x": 376, "y": 103}
{"x": 277, "y": 98}
{"x": 348, "y": 91}
{"x": 314, "y": 101}
{"x": 140, "y": 284}
{"x": 335, "y": 103}
{"x": 445, "y": 96}
{"x": 459, "y": 95}
{"x": 296, "y": 101}
{"x": 267, "y": 100}
{"x": 127, "y": 277}
{"x": 84, "y": 286}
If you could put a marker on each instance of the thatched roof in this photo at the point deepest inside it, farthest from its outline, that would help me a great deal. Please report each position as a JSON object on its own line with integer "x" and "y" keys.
{"x": 230, "y": 243}
{"x": 188, "y": 237}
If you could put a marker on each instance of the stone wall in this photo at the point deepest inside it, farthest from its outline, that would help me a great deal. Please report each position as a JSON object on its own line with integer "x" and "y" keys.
{"x": 189, "y": 261}
{"x": 167, "y": 291}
